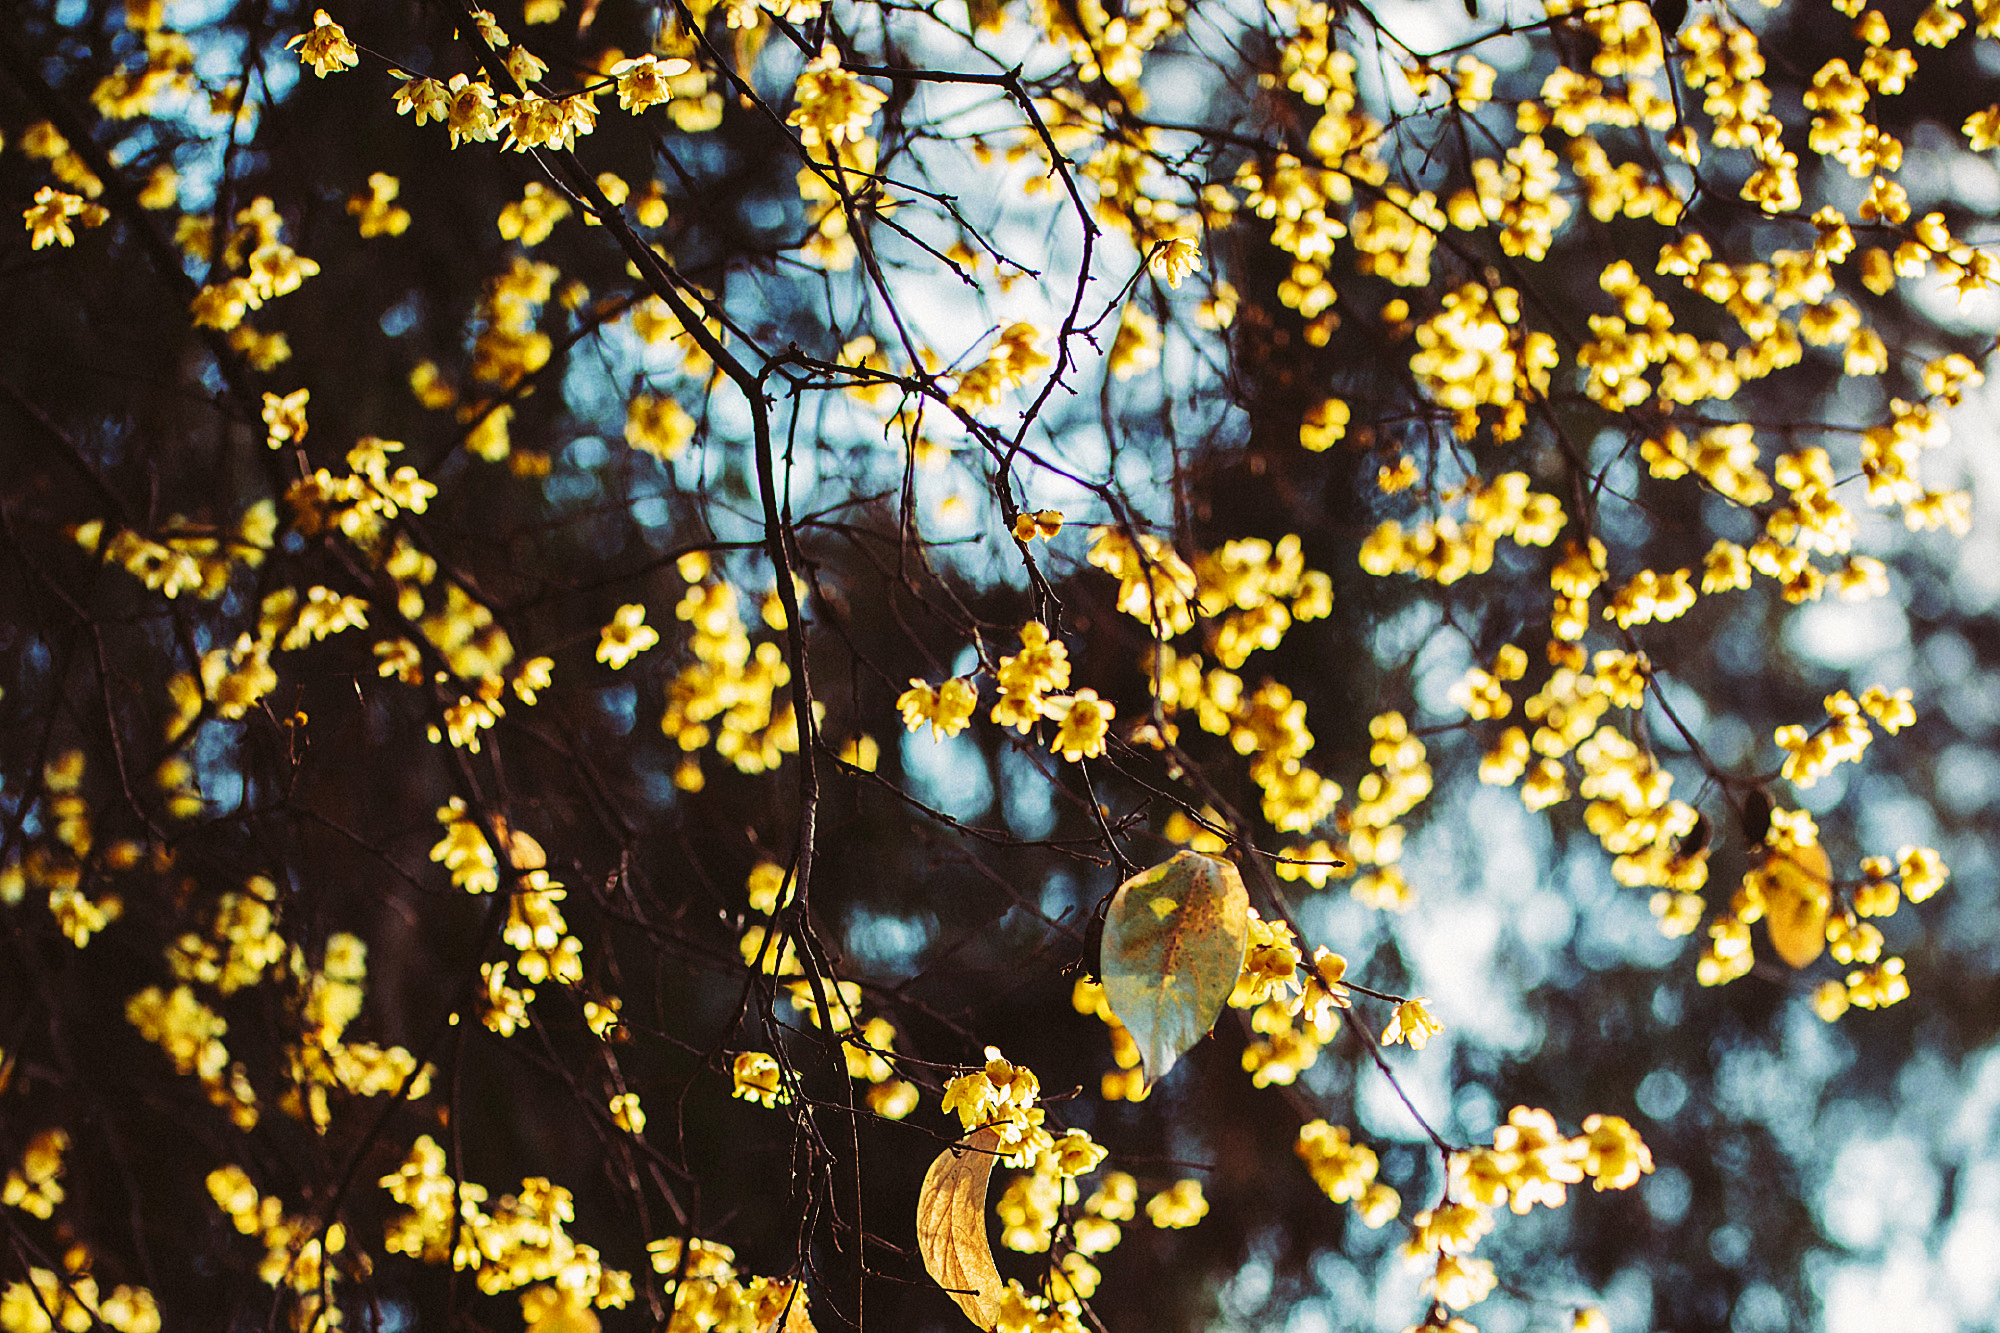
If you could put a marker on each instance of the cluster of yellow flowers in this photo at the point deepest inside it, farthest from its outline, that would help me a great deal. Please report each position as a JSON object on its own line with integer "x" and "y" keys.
{"x": 187, "y": 556}
{"x": 869, "y": 1041}
{"x": 1103, "y": 43}
{"x": 1126, "y": 1081}
{"x": 1014, "y": 358}
{"x": 360, "y": 505}
{"x": 708, "y": 1292}
{"x": 1625, "y": 346}
{"x": 654, "y": 322}
{"x": 626, "y": 636}
{"x": 1028, "y": 682}
{"x": 832, "y": 112}
{"x": 264, "y": 267}
{"x": 756, "y": 1076}
{"x": 1112, "y": 157}
{"x": 536, "y": 931}
{"x": 1022, "y": 1311}
{"x": 321, "y": 1061}
{"x": 1155, "y": 585}
{"x": 1032, "y": 1206}
{"x": 242, "y": 944}
{"x": 1372, "y": 835}
{"x": 521, "y": 1244}
{"x": 1293, "y": 1012}
{"x": 1256, "y": 590}
{"x": 1845, "y": 735}
{"x": 1482, "y": 693}
{"x": 1470, "y": 355}
{"x": 235, "y": 679}
{"x": 1002, "y": 1097}
{"x": 1473, "y": 354}
{"x": 867, "y": 1053}
{"x": 728, "y": 694}
{"x": 531, "y": 218}
{"x": 1445, "y": 550}
{"x": 43, "y": 142}
{"x": 48, "y": 218}
{"x": 377, "y": 213}
{"x": 190, "y": 1033}
{"x": 241, "y": 949}
{"x": 72, "y": 1301}
{"x": 1346, "y": 1170}
{"x": 1253, "y": 592}
{"x": 508, "y": 348}
{"x": 167, "y": 72}
{"x": 306, "y": 1260}
{"x": 1305, "y": 201}
{"x": 1794, "y": 891}
{"x": 473, "y": 112}
{"x": 54, "y": 858}
{"x": 1531, "y": 1161}
{"x": 1633, "y": 814}
{"x": 659, "y": 425}
{"x": 35, "y": 1186}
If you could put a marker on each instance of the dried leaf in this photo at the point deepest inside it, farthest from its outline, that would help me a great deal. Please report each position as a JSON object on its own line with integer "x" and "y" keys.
{"x": 1174, "y": 942}
{"x": 951, "y": 1227}
{"x": 1797, "y": 894}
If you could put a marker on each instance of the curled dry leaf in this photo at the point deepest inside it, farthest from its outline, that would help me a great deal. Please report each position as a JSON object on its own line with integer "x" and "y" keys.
{"x": 951, "y": 1227}
{"x": 1798, "y": 891}
{"x": 1174, "y": 942}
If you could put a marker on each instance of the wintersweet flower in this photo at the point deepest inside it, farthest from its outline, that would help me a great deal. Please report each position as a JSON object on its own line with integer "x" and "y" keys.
{"x": 326, "y": 47}
{"x": 626, "y": 636}
{"x": 1412, "y": 1023}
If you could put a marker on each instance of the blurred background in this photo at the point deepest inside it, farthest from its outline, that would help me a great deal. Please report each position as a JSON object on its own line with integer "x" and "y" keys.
{"x": 1809, "y": 1175}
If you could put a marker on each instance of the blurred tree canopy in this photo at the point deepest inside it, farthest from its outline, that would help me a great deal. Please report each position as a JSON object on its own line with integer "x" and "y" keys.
{"x": 600, "y": 595}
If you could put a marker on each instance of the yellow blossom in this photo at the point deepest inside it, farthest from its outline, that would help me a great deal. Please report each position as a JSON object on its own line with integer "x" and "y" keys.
{"x": 285, "y": 417}
{"x": 646, "y": 81}
{"x": 1086, "y": 722}
{"x": 1180, "y": 1205}
{"x": 425, "y": 98}
{"x": 627, "y": 1114}
{"x": 1412, "y": 1023}
{"x": 1175, "y": 259}
{"x": 626, "y": 636}
{"x": 757, "y": 1078}
{"x": 834, "y": 107}
{"x": 1324, "y": 425}
{"x": 48, "y": 218}
{"x": 948, "y": 708}
{"x": 326, "y": 47}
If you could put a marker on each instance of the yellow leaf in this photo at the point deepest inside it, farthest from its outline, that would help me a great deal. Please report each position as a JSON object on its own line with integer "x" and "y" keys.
{"x": 951, "y": 1227}
{"x": 1174, "y": 941}
{"x": 1796, "y": 899}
